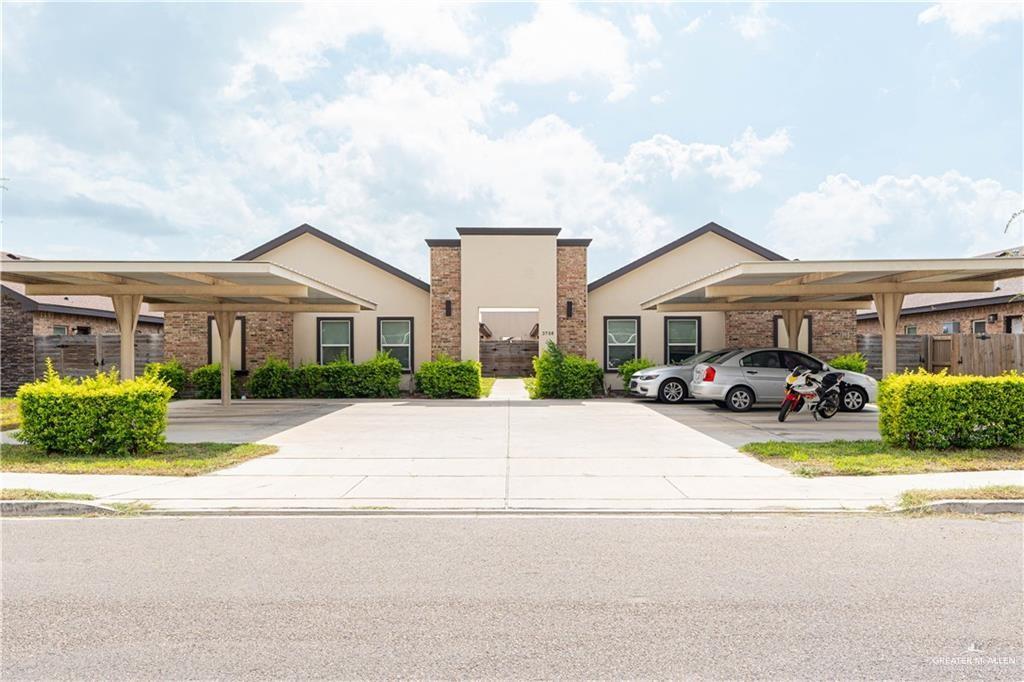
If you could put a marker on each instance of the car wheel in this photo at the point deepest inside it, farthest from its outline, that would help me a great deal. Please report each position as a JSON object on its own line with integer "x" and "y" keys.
{"x": 720, "y": 403}
{"x": 739, "y": 399}
{"x": 672, "y": 391}
{"x": 854, "y": 399}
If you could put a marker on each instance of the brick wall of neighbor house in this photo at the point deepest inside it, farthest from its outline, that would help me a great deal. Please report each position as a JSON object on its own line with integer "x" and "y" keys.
{"x": 185, "y": 339}
{"x": 268, "y": 335}
{"x": 44, "y": 322}
{"x": 572, "y": 286}
{"x": 931, "y": 322}
{"x": 834, "y": 331}
{"x": 445, "y": 285}
{"x": 16, "y": 347}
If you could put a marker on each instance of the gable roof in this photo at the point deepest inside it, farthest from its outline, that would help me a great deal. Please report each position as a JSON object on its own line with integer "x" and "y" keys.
{"x": 333, "y": 241}
{"x": 712, "y": 228}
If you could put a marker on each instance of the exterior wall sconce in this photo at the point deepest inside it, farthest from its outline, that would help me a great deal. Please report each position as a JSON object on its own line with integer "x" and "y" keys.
{"x": 448, "y": 308}
{"x": 568, "y": 308}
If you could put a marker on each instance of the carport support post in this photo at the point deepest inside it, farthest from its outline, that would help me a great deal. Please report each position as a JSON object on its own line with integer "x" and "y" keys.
{"x": 794, "y": 320}
{"x": 888, "y": 307}
{"x": 225, "y": 320}
{"x": 126, "y": 310}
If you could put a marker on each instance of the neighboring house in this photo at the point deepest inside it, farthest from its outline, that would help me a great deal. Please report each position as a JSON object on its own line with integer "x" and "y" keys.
{"x": 999, "y": 311}
{"x": 486, "y": 273}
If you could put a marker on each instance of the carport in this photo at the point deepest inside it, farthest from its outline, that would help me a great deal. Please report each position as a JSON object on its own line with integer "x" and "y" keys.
{"x": 222, "y": 289}
{"x": 795, "y": 287}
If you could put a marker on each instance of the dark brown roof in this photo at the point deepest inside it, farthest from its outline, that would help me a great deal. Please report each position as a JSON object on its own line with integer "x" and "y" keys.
{"x": 712, "y": 228}
{"x": 504, "y": 231}
{"x": 333, "y": 241}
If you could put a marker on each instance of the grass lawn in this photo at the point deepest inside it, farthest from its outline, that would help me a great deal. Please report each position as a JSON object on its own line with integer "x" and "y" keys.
{"x": 174, "y": 459}
{"x": 30, "y": 494}
{"x": 9, "y": 418}
{"x": 872, "y": 457}
{"x": 914, "y": 498}
{"x": 486, "y": 384}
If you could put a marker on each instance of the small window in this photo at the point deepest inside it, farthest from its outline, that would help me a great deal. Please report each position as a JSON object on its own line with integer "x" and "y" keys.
{"x": 83, "y": 331}
{"x": 60, "y": 330}
{"x": 950, "y": 327}
{"x": 394, "y": 336}
{"x": 622, "y": 341}
{"x": 762, "y": 358}
{"x": 910, "y": 330}
{"x": 335, "y": 339}
{"x": 978, "y": 326}
{"x": 682, "y": 339}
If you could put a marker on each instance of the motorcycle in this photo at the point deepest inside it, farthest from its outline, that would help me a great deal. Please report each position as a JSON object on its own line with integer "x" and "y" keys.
{"x": 817, "y": 394}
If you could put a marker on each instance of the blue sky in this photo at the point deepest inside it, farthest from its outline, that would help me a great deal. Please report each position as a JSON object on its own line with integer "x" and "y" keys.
{"x": 818, "y": 130}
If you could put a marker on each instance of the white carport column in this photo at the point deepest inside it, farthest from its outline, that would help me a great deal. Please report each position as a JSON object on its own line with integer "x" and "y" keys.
{"x": 225, "y": 324}
{"x": 126, "y": 309}
{"x": 888, "y": 307}
{"x": 794, "y": 320}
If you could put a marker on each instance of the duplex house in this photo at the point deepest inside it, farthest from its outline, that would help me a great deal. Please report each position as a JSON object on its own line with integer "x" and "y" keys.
{"x": 478, "y": 278}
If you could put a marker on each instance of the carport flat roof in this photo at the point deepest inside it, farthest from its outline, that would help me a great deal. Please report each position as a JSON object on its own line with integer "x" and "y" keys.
{"x": 252, "y": 286}
{"x": 832, "y": 284}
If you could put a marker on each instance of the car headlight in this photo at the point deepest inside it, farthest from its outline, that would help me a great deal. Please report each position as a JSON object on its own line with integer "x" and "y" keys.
{"x": 645, "y": 377}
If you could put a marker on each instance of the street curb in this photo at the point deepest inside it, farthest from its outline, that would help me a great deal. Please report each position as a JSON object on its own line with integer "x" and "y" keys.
{"x": 52, "y": 508}
{"x": 313, "y": 511}
{"x": 972, "y": 507}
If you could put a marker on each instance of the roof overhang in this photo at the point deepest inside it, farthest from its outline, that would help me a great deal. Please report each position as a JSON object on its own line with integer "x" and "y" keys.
{"x": 832, "y": 284}
{"x": 210, "y": 286}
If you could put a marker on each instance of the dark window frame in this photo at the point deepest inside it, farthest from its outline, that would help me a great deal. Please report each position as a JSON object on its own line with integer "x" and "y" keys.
{"x": 700, "y": 332}
{"x": 604, "y": 332}
{"x": 984, "y": 326}
{"x": 808, "y": 320}
{"x": 412, "y": 338}
{"x": 209, "y": 339}
{"x": 351, "y": 337}
{"x": 1008, "y": 322}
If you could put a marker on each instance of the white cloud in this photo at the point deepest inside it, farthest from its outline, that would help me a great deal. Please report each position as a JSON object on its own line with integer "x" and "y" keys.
{"x": 561, "y": 42}
{"x": 693, "y": 26}
{"x": 296, "y": 48}
{"x": 644, "y": 29}
{"x": 971, "y": 19}
{"x": 574, "y": 97}
{"x": 755, "y": 23}
{"x": 737, "y": 163}
{"x": 912, "y": 216}
{"x": 660, "y": 98}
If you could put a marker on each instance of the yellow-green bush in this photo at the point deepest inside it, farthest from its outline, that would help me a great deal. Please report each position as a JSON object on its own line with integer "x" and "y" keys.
{"x": 97, "y": 415}
{"x": 922, "y": 410}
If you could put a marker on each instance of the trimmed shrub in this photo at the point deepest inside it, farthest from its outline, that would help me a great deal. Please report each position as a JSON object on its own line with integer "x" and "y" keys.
{"x": 273, "y": 379}
{"x": 97, "y": 415}
{"x": 171, "y": 373}
{"x": 339, "y": 380}
{"x": 206, "y": 382}
{"x": 379, "y": 377}
{"x": 308, "y": 381}
{"x": 446, "y": 378}
{"x": 565, "y": 376}
{"x": 923, "y": 410}
{"x": 853, "y": 362}
{"x": 630, "y": 367}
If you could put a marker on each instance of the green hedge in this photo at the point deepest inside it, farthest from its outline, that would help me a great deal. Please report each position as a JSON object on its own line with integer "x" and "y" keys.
{"x": 923, "y": 410}
{"x": 171, "y": 373}
{"x": 205, "y": 381}
{"x": 380, "y": 377}
{"x": 853, "y": 362}
{"x": 97, "y": 415}
{"x": 565, "y": 376}
{"x": 273, "y": 379}
{"x": 630, "y": 367}
{"x": 446, "y": 378}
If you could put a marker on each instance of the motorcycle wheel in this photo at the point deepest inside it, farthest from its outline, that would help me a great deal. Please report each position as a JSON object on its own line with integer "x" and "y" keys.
{"x": 828, "y": 408}
{"x": 784, "y": 410}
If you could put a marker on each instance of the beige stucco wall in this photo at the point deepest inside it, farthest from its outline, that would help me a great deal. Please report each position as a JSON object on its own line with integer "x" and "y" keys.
{"x": 394, "y": 297}
{"x": 508, "y": 271}
{"x": 623, "y": 296}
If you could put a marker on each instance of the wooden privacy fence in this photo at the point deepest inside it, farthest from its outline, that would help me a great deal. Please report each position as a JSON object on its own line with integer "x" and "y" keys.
{"x": 508, "y": 358}
{"x": 983, "y": 354}
{"x": 82, "y": 355}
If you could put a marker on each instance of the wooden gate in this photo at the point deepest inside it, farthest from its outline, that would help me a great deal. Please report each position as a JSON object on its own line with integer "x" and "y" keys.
{"x": 508, "y": 358}
{"x": 83, "y": 355}
{"x": 982, "y": 354}
{"x": 940, "y": 353}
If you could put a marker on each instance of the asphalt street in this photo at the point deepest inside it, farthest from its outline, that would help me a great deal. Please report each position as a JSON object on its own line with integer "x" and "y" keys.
{"x": 527, "y": 597}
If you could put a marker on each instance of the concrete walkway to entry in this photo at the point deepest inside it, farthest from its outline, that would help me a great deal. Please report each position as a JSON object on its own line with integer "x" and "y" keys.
{"x": 498, "y": 454}
{"x": 508, "y": 389}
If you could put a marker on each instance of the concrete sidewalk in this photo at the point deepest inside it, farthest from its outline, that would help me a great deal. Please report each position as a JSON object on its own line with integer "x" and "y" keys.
{"x": 500, "y": 454}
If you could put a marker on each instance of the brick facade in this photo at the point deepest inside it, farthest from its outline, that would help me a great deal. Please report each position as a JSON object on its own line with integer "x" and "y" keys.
{"x": 931, "y": 322}
{"x": 572, "y": 286}
{"x": 445, "y": 285}
{"x": 43, "y": 323}
{"x": 266, "y": 335}
{"x": 185, "y": 339}
{"x": 833, "y": 332}
{"x": 16, "y": 346}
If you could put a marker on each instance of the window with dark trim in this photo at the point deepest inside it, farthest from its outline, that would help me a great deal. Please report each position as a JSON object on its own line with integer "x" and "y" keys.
{"x": 979, "y": 326}
{"x": 395, "y": 336}
{"x": 213, "y": 339}
{"x": 621, "y": 341}
{"x": 334, "y": 339}
{"x": 682, "y": 339}
{"x": 950, "y": 327}
{"x": 910, "y": 330}
{"x": 60, "y": 330}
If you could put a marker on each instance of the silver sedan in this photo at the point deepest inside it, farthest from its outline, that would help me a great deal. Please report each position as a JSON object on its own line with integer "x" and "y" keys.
{"x": 758, "y": 375}
{"x": 671, "y": 383}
